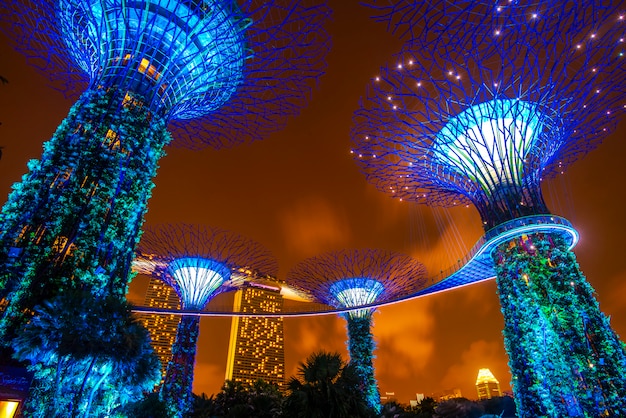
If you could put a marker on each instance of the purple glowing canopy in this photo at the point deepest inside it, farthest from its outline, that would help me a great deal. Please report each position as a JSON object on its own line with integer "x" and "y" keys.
{"x": 200, "y": 261}
{"x": 223, "y": 73}
{"x": 447, "y": 125}
{"x": 358, "y": 277}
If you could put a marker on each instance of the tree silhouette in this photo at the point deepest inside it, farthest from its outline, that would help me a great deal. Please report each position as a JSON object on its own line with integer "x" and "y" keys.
{"x": 325, "y": 386}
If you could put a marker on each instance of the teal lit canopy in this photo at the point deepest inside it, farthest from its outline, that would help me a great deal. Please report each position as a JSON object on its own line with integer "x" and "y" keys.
{"x": 186, "y": 57}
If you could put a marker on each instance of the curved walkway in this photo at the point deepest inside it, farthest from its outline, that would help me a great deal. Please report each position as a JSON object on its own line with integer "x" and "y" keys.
{"x": 476, "y": 266}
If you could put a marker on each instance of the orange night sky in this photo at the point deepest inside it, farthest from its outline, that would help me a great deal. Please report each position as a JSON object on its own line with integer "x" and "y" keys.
{"x": 299, "y": 193}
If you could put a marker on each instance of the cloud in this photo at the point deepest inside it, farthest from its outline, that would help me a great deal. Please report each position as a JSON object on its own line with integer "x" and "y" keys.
{"x": 480, "y": 354}
{"x": 305, "y": 336}
{"x": 404, "y": 339}
{"x": 208, "y": 378}
{"x": 312, "y": 225}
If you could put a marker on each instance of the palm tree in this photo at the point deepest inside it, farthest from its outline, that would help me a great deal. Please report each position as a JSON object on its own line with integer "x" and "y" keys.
{"x": 259, "y": 399}
{"x": 81, "y": 346}
{"x": 325, "y": 386}
{"x": 203, "y": 406}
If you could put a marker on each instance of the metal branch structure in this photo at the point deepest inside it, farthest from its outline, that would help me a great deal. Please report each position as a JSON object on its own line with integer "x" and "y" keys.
{"x": 215, "y": 73}
{"x": 449, "y": 21}
{"x": 198, "y": 262}
{"x": 449, "y": 125}
{"x": 353, "y": 278}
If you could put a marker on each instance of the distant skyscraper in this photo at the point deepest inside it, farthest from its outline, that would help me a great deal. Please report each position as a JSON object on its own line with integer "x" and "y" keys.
{"x": 447, "y": 394}
{"x": 162, "y": 328}
{"x": 257, "y": 349}
{"x": 487, "y": 385}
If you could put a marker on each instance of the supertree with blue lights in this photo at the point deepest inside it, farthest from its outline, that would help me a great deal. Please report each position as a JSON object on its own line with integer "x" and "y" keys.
{"x": 214, "y": 72}
{"x": 199, "y": 262}
{"x": 353, "y": 278}
{"x": 448, "y": 125}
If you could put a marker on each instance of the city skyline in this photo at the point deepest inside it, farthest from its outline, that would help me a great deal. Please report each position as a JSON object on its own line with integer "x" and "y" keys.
{"x": 300, "y": 193}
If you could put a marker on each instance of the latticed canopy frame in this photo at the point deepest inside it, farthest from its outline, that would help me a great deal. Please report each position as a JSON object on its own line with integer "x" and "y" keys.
{"x": 450, "y": 21}
{"x": 185, "y": 58}
{"x": 221, "y": 72}
{"x": 352, "y": 278}
{"x": 448, "y": 128}
{"x": 197, "y": 259}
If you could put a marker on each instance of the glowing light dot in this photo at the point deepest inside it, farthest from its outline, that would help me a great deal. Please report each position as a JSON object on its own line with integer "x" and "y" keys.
{"x": 377, "y": 78}
{"x": 593, "y": 35}
{"x": 534, "y": 15}
{"x": 411, "y": 62}
{"x": 449, "y": 72}
{"x": 458, "y": 77}
{"x": 388, "y": 97}
{"x": 578, "y": 46}
{"x": 395, "y": 107}
{"x": 497, "y": 32}
{"x": 399, "y": 66}
{"x": 419, "y": 84}
{"x": 598, "y": 91}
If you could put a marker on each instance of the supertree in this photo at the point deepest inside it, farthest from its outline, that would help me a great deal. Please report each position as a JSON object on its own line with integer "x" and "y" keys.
{"x": 215, "y": 72}
{"x": 448, "y": 125}
{"x": 352, "y": 278}
{"x": 198, "y": 262}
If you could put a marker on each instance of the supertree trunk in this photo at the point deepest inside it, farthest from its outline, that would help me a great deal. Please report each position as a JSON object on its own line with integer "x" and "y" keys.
{"x": 75, "y": 218}
{"x": 564, "y": 357}
{"x": 361, "y": 348}
{"x": 176, "y": 389}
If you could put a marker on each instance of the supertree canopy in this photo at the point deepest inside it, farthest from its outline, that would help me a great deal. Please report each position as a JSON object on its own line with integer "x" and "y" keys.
{"x": 353, "y": 278}
{"x": 198, "y": 262}
{"x": 449, "y": 125}
{"x": 217, "y": 73}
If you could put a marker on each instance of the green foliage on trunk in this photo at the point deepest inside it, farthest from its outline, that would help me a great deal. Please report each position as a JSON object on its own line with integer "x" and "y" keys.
{"x": 361, "y": 348}
{"x": 564, "y": 357}
{"x": 176, "y": 391}
{"x": 74, "y": 219}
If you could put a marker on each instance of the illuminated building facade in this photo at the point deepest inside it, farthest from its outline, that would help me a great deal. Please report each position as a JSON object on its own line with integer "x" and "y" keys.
{"x": 487, "y": 386}
{"x": 447, "y": 394}
{"x": 257, "y": 349}
{"x": 162, "y": 327}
